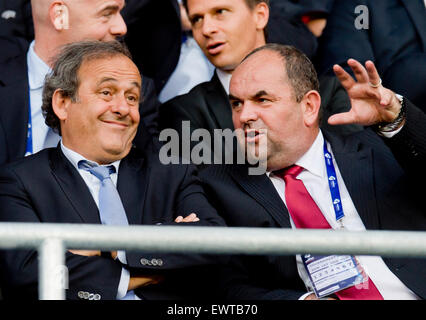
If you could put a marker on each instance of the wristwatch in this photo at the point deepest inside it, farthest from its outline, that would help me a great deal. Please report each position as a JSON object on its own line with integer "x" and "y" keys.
{"x": 392, "y": 126}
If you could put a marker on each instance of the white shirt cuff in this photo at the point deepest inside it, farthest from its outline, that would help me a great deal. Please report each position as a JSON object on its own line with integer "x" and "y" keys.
{"x": 390, "y": 134}
{"x": 305, "y": 295}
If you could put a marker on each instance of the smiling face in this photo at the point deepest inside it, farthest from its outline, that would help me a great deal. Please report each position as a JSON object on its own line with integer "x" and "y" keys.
{"x": 227, "y": 30}
{"x": 265, "y": 108}
{"x": 102, "y": 122}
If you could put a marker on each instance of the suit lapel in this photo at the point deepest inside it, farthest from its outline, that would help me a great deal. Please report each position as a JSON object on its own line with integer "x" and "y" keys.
{"x": 263, "y": 191}
{"x": 74, "y": 187}
{"x": 132, "y": 184}
{"x": 355, "y": 163}
{"x": 14, "y": 115}
{"x": 417, "y": 12}
{"x": 218, "y": 103}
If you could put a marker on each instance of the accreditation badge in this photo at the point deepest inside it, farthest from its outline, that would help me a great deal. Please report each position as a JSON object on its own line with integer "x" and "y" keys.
{"x": 329, "y": 274}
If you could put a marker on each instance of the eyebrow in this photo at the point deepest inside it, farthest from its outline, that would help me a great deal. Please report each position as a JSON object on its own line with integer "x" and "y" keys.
{"x": 218, "y": 7}
{"x": 103, "y": 80}
{"x": 258, "y": 94}
{"x": 110, "y": 7}
{"x": 231, "y": 97}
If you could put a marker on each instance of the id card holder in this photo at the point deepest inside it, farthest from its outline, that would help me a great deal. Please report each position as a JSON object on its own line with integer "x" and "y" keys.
{"x": 329, "y": 274}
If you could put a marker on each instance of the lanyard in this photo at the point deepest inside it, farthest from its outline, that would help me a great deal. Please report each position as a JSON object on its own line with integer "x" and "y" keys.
{"x": 29, "y": 147}
{"x": 333, "y": 184}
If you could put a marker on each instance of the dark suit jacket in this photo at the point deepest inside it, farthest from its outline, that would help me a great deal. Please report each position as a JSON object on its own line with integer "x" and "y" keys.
{"x": 398, "y": 49}
{"x": 285, "y": 24}
{"x": 154, "y": 37}
{"x": 384, "y": 195}
{"x": 151, "y": 193}
{"x": 20, "y": 24}
{"x": 14, "y": 104}
{"x": 205, "y": 106}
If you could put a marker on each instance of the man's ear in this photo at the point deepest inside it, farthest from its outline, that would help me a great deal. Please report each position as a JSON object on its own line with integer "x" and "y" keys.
{"x": 311, "y": 104}
{"x": 262, "y": 15}
{"x": 59, "y": 15}
{"x": 60, "y": 104}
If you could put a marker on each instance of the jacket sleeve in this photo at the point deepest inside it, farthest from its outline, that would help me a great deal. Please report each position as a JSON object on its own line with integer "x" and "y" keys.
{"x": 238, "y": 282}
{"x": 19, "y": 268}
{"x": 409, "y": 145}
{"x": 188, "y": 199}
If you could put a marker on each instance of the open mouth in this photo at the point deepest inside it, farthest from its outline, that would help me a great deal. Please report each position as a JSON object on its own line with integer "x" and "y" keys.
{"x": 215, "y": 48}
{"x": 252, "y": 135}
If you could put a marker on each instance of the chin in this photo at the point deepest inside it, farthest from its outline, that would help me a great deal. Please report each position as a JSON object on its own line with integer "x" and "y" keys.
{"x": 117, "y": 150}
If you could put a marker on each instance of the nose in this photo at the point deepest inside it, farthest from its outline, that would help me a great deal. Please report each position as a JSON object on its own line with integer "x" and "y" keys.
{"x": 247, "y": 113}
{"x": 209, "y": 26}
{"x": 121, "y": 106}
{"x": 118, "y": 27}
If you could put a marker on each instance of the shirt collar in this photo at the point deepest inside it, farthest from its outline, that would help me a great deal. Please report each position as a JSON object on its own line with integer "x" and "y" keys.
{"x": 75, "y": 158}
{"x": 312, "y": 160}
{"x": 37, "y": 69}
{"x": 224, "y": 78}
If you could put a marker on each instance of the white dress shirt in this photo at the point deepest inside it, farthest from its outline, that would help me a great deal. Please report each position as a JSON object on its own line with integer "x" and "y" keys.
{"x": 94, "y": 184}
{"x": 42, "y": 135}
{"x": 314, "y": 177}
{"x": 192, "y": 69}
{"x": 224, "y": 78}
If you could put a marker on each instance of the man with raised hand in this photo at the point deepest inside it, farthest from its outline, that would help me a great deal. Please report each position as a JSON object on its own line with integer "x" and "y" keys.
{"x": 319, "y": 180}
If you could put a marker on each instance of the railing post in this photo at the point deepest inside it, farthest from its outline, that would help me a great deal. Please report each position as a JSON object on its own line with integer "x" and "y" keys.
{"x": 53, "y": 274}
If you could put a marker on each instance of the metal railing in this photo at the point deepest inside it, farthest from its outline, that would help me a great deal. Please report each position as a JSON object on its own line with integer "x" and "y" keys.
{"x": 51, "y": 241}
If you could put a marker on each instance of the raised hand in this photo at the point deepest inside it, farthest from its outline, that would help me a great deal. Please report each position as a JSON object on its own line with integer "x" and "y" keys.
{"x": 371, "y": 103}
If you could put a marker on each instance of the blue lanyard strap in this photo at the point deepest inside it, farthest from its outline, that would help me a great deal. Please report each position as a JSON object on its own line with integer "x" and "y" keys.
{"x": 29, "y": 147}
{"x": 333, "y": 184}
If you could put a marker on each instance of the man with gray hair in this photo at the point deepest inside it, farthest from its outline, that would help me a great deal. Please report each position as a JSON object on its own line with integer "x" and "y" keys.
{"x": 96, "y": 176}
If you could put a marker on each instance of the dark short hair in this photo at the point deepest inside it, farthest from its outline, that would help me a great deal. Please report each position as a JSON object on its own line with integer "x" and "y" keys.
{"x": 64, "y": 74}
{"x": 300, "y": 71}
{"x": 250, "y": 3}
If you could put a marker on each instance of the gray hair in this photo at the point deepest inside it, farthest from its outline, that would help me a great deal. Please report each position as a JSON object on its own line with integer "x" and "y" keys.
{"x": 64, "y": 75}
